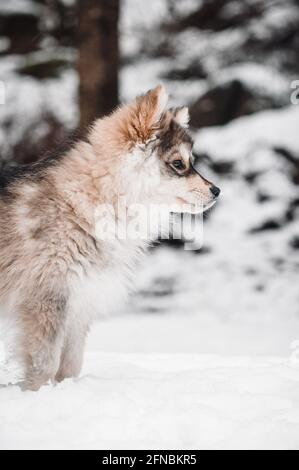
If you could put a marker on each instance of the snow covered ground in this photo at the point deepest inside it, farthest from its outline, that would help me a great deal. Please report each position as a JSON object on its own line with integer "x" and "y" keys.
{"x": 206, "y": 353}
{"x": 159, "y": 401}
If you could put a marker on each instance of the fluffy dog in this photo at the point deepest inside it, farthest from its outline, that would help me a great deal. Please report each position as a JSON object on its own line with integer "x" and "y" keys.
{"x": 55, "y": 273}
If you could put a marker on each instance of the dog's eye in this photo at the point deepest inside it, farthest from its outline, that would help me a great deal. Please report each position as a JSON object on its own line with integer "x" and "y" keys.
{"x": 178, "y": 164}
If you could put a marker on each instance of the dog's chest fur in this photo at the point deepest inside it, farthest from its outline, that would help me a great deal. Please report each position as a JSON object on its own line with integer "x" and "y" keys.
{"x": 99, "y": 288}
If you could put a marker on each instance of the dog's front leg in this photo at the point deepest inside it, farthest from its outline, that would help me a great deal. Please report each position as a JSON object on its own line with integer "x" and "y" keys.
{"x": 72, "y": 354}
{"x": 43, "y": 321}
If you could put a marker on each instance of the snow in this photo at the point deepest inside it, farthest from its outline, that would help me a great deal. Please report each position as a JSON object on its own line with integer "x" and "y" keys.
{"x": 29, "y": 97}
{"x": 159, "y": 401}
{"x": 258, "y": 77}
{"x": 264, "y": 129}
{"x": 20, "y": 6}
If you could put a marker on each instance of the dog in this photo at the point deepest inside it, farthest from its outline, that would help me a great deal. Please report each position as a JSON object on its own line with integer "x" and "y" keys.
{"x": 56, "y": 275}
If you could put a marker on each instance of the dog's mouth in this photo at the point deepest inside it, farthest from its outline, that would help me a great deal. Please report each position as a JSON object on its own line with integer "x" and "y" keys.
{"x": 188, "y": 207}
{"x": 194, "y": 208}
{"x": 209, "y": 204}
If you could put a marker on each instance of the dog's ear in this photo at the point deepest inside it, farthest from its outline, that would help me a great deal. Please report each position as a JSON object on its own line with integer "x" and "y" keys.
{"x": 181, "y": 116}
{"x": 158, "y": 101}
{"x": 151, "y": 106}
{"x": 137, "y": 122}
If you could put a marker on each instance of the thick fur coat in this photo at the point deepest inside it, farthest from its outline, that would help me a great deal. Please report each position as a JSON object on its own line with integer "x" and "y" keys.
{"x": 56, "y": 275}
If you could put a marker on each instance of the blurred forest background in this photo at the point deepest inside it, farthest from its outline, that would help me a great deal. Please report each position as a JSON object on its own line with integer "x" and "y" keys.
{"x": 65, "y": 62}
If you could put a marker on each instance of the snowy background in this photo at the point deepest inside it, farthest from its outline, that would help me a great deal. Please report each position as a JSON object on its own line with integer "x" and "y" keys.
{"x": 206, "y": 353}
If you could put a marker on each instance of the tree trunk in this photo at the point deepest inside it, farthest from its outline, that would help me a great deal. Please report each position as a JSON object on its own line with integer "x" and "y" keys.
{"x": 98, "y": 58}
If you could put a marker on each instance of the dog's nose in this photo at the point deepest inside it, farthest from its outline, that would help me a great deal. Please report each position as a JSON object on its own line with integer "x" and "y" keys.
{"x": 215, "y": 191}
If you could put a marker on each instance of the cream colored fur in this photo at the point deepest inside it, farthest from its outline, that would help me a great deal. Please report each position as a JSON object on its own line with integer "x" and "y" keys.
{"x": 55, "y": 275}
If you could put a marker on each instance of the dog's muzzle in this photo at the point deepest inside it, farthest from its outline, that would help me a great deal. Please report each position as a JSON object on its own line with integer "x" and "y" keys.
{"x": 214, "y": 189}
